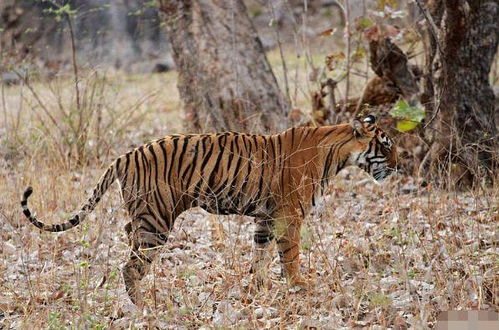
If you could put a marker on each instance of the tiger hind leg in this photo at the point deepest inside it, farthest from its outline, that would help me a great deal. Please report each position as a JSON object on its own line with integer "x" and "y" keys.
{"x": 145, "y": 247}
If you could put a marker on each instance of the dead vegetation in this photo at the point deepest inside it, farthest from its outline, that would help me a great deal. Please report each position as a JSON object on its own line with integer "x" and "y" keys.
{"x": 395, "y": 79}
{"x": 393, "y": 255}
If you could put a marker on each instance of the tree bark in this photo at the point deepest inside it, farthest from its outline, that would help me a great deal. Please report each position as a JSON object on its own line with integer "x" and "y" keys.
{"x": 458, "y": 97}
{"x": 225, "y": 80}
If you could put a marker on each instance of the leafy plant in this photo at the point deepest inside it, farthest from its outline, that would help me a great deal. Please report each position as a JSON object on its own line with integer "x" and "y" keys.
{"x": 363, "y": 23}
{"x": 54, "y": 321}
{"x": 408, "y": 116}
{"x": 60, "y": 11}
{"x": 306, "y": 238}
{"x": 380, "y": 300}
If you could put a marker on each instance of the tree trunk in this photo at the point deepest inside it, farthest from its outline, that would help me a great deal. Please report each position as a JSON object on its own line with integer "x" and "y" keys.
{"x": 225, "y": 80}
{"x": 458, "y": 97}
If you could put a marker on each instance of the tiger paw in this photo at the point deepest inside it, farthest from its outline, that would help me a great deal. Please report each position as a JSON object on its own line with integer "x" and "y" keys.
{"x": 260, "y": 281}
{"x": 301, "y": 282}
{"x": 256, "y": 284}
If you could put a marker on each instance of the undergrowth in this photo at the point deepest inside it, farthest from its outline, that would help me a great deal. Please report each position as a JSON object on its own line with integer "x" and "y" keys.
{"x": 393, "y": 255}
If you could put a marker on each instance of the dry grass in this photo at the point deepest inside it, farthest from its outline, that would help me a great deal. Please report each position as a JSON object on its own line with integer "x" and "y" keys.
{"x": 384, "y": 256}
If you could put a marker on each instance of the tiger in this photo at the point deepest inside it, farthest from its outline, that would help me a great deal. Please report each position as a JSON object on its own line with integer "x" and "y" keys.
{"x": 276, "y": 179}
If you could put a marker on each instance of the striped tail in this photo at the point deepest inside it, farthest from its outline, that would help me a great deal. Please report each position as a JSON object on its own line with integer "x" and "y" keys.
{"x": 105, "y": 181}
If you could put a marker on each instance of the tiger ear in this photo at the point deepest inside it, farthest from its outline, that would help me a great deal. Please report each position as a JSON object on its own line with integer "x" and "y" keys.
{"x": 364, "y": 127}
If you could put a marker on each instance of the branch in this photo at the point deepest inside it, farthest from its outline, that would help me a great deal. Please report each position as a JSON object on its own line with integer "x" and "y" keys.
{"x": 331, "y": 85}
{"x": 431, "y": 24}
{"x": 281, "y": 53}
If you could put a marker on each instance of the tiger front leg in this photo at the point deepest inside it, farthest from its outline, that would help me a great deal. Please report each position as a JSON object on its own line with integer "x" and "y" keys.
{"x": 288, "y": 243}
{"x": 262, "y": 252}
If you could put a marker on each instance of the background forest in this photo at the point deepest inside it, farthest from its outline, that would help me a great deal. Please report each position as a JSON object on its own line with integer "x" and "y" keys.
{"x": 82, "y": 82}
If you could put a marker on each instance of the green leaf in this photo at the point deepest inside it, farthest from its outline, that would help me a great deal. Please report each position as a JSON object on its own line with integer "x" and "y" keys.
{"x": 408, "y": 116}
{"x": 392, "y": 3}
{"x": 359, "y": 54}
{"x": 406, "y": 125}
{"x": 364, "y": 23}
{"x": 381, "y": 4}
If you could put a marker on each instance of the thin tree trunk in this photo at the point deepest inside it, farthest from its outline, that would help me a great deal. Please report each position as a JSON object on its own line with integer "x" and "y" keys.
{"x": 225, "y": 80}
{"x": 458, "y": 95}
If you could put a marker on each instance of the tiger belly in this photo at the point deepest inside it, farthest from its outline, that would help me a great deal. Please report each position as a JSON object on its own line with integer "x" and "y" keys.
{"x": 240, "y": 204}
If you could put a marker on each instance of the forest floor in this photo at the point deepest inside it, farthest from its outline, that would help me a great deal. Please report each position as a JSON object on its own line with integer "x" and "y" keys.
{"x": 389, "y": 255}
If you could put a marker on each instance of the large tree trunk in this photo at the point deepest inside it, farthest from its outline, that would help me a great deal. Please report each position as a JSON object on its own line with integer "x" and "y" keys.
{"x": 458, "y": 96}
{"x": 225, "y": 80}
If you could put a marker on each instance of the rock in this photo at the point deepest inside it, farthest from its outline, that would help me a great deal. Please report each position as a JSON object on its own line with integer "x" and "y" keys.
{"x": 10, "y": 78}
{"x": 267, "y": 312}
{"x": 225, "y": 314}
{"x": 310, "y": 324}
{"x": 8, "y": 248}
{"x": 161, "y": 67}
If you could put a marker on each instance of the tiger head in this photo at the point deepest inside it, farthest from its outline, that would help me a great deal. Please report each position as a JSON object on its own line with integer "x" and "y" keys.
{"x": 373, "y": 150}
